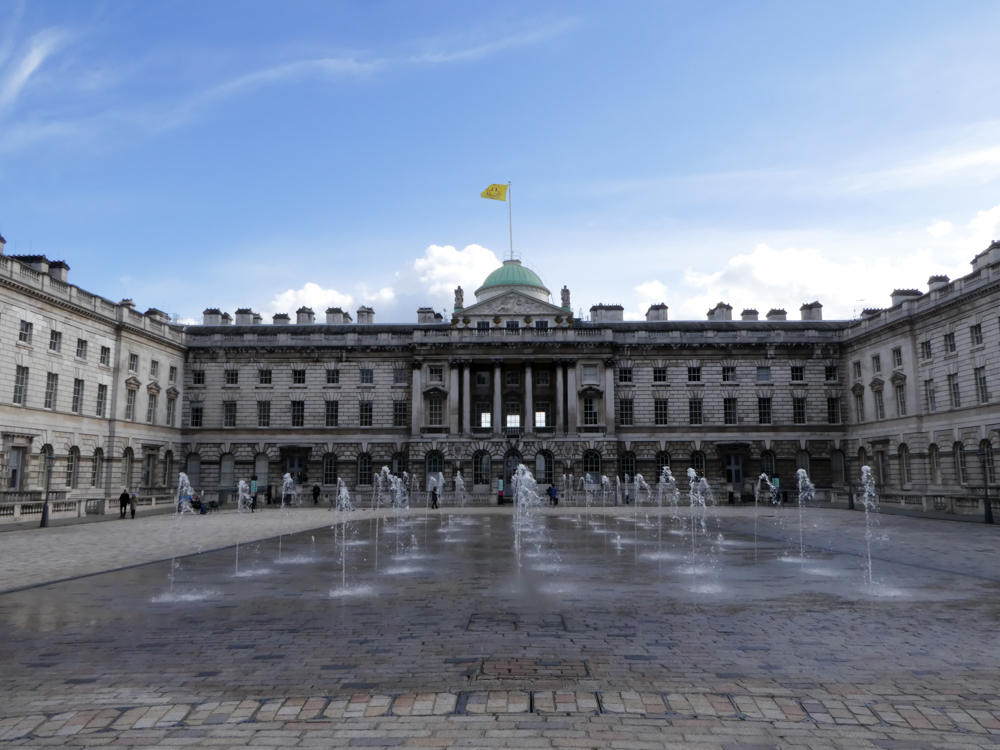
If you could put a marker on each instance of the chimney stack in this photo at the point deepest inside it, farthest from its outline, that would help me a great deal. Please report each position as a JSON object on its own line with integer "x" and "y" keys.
{"x": 775, "y": 314}
{"x": 305, "y": 316}
{"x": 749, "y": 315}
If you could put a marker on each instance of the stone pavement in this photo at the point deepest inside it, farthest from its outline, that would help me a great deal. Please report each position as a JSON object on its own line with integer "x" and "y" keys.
{"x": 469, "y": 630}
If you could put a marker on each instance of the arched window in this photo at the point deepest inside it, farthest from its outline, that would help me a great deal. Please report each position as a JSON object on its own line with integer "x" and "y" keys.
{"x": 961, "y": 468}
{"x": 168, "y": 469}
{"x": 72, "y": 466}
{"x": 127, "y": 469}
{"x": 905, "y": 472}
{"x": 398, "y": 464}
{"x": 698, "y": 463}
{"x": 97, "y": 468}
{"x": 986, "y": 450}
{"x": 435, "y": 463}
{"x": 364, "y": 469}
{"x": 768, "y": 464}
{"x": 592, "y": 466}
{"x": 227, "y": 470}
{"x": 802, "y": 460}
{"x": 329, "y": 469}
{"x": 862, "y": 459}
{"x": 837, "y": 466}
{"x": 481, "y": 468}
{"x": 662, "y": 462}
{"x": 934, "y": 459}
{"x": 627, "y": 466}
{"x": 193, "y": 466}
{"x": 543, "y": 467}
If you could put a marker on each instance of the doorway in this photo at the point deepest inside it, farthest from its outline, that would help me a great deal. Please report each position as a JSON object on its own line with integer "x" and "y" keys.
{"x": 734, "y": 471}
{"x": 510, "y": 464}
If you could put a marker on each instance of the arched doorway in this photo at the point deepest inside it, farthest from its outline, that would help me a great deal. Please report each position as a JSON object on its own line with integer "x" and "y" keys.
{"x": 510, "y": 463}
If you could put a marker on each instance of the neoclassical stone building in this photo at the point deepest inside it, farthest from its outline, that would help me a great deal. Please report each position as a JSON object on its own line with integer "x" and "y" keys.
{"x": 512, "y": 377}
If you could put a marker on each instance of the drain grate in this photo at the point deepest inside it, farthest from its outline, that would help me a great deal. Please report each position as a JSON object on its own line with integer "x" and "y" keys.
{"x": 514, "y": 668}
{"x": 492, "y": 622}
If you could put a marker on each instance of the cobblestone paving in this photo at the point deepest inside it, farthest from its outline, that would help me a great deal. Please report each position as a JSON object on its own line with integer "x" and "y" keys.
{"x": 467, "y": 630}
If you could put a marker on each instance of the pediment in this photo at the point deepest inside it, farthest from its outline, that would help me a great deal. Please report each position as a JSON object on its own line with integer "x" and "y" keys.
{"x": 133, "y": 383}
{"x": 897, "y": 378}
{"x": 153, "y": 388}
{"x": 512, "y": 303}
{"x": 877, "y": 384}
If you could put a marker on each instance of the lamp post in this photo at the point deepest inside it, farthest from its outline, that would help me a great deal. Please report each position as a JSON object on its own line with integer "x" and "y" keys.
{"x": 987, "y": 506}
{"x": 50, "y": 459}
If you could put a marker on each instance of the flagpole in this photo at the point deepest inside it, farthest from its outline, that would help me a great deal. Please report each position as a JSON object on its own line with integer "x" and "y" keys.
{"x": 510, "y": 211}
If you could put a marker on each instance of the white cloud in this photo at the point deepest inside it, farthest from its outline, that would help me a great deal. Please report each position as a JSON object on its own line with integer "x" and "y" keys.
{"x": 310, "y": 295}
{"x": 939, "y": 229}
{"x": 444, "y": 268}
{"x": 40, "y": 46}
{"x": 985, "y": 228}
{"x": 649, "y": 293}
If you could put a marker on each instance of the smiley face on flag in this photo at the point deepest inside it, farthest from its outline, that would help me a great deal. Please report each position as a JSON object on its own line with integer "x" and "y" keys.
{"x": 495, "y": 192}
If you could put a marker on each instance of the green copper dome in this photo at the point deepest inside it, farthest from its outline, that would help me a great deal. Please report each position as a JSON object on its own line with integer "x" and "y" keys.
{"x": 512, "y": 273}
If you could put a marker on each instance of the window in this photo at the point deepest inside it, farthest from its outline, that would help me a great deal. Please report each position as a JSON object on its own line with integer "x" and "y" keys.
{"x": 228, "y": 413}
{"x": 55, "y": 341}
{"x": 154, "y": 369}
{"x": 624, "y": 374}
{"x": 399, "y": 414}
{"x": 590, "y": 411}
{"x": 905, "y": 472}
{"x": 364, "y": 469}
{"x": 798, "y": 372}
{"x": 833, "y": 410}
{"x": 590, "y": 374}
{"x": 802, "y": 460}
{"x": 934, "y": 458}
{"x": 953, "y": 391}
{"x": 694, "y": 411}
{"x": 728, "y": 374}
{"x": 625, "y": 414}
{"x": 20, "y": 384}
{"x": 434, "y": 463}
{"x": 543, "y": 414}
{"x": 857, "y": 370}
{"x": 51, "y": 390}
{"x": 151, "y": 411}
{"x": 263, "y": 413}
{"x": 859, "y": 407}
{"x": 831, "y": 373}
{"x": 365, "y": 413}
{"x": 512, "y": 379}
{"x": 72, "y": 465}
{"x": 592, "y": 466}
{"x": 77, "y": 404}
{"x": 879, "y": 405}
{"x": 541, "y": 325}
{"x": 980, "y": 376}
{"x": 900, "y": 392}
{"x": 949, "y": 342}
{"x": 729, "y": 411}
{"x": 543, "y": 467}
{"x": 171, "y": 411}
{"x": 626, "y": 466}
{"x": 106, "y": 356}
{"x": 512, "y": 413}
{"x": 976, "y": 334}
{"x": 485, "y": 416}
{"x": 897, "y": 357}
{"x": 130, "y": 405}
{"x": 435, "y": 412}
{"x": 799, "y": 410}
{"x": 877, "y": 363}
{"x": 329, "y": 469}
{"x": 127, "y": 468}
{"x": 102, "y": 400}
{"x": 97, "y": 468}
{"x": 767, "y": 464}
{"x": 263, "y": 377}
{"x": 133, "y": 362}
{"x": 481, "y": 468}
{"x": 435, "y": 374}
{"x": 763, "y": 374}
{"x": 694, "y": 374}
{"x": 542, "y": 378}
{"x": 986, "y": 450}
{"x": 367, "y": 376}
{"x": 662, "y": 462}
{"x": 399, "y": 377}
{"x": 298, "y": 377}
{"x": 197, "y": 377}
{"x": 482, "y": 325}
{"x": 232, "y": 377}
{"x": 298, "y": 413}
{"x": 764, "y": 410}
{"x": 961, "y": 467}
{"x": 931, "y": 395}
{"x": 659, "y": 374}
{"x": 482, "y": 379}
{"x": 24, "y": 336}
{"x": 925, "y": 350}
{"x": 197, "y": 413}
{"x": 698, "y": 463}
{"x": 660, "y": 412}
{"x": 172, "y": 378}
{"x": 81, "y": 348}
{"x": 168, "y": 468}
{"x": 513, "y": 325}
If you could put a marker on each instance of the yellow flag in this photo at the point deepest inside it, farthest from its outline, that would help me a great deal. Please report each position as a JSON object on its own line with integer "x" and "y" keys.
{"x": 495, "y": 192}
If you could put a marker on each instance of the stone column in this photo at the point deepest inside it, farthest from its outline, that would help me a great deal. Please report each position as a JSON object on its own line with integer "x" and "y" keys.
{"x": 609, "y": 396}
{"x": 497, "y": 412}
{"x": 453, "y": 366}
{"x": 466, "y": 397}
{"x": 417, "y": 412}
{"x": 571, "y": 397}
{"x": 529, "y": 403}
{"x": 560, "y": 397}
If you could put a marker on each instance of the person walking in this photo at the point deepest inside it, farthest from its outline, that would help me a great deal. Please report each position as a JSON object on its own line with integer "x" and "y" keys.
{"x": 434, "y": 497}
{"x": 123, "y": 500}
{"x": 316, "y": 492}
{"x": 553, "y": 496}
{"x": 133, "y": 504}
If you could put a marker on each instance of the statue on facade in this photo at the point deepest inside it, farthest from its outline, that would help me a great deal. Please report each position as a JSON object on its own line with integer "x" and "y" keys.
{"x": 459, "y": 298}
{"x": 565, "y": 297}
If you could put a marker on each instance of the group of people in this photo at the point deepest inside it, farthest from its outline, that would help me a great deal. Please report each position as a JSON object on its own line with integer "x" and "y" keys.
{"x": 126, "y": 502}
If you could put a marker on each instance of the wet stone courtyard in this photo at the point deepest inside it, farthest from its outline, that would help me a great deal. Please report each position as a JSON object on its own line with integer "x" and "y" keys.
{"x": 562, "y": 628}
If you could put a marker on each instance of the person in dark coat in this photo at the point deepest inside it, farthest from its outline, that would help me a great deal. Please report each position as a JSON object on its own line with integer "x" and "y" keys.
{"x": 553, "y": 495}
{"x": 316, "y": 492}
{"x": 434, "y": 497}
{"x": 123, "y": 500}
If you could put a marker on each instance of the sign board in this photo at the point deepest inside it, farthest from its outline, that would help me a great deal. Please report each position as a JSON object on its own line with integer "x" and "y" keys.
{"x": 253, "y": 484}
{"x": 776, "y": 482}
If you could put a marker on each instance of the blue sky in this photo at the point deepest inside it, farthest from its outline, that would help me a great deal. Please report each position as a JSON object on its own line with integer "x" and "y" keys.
{"x": 192, "y": 154}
